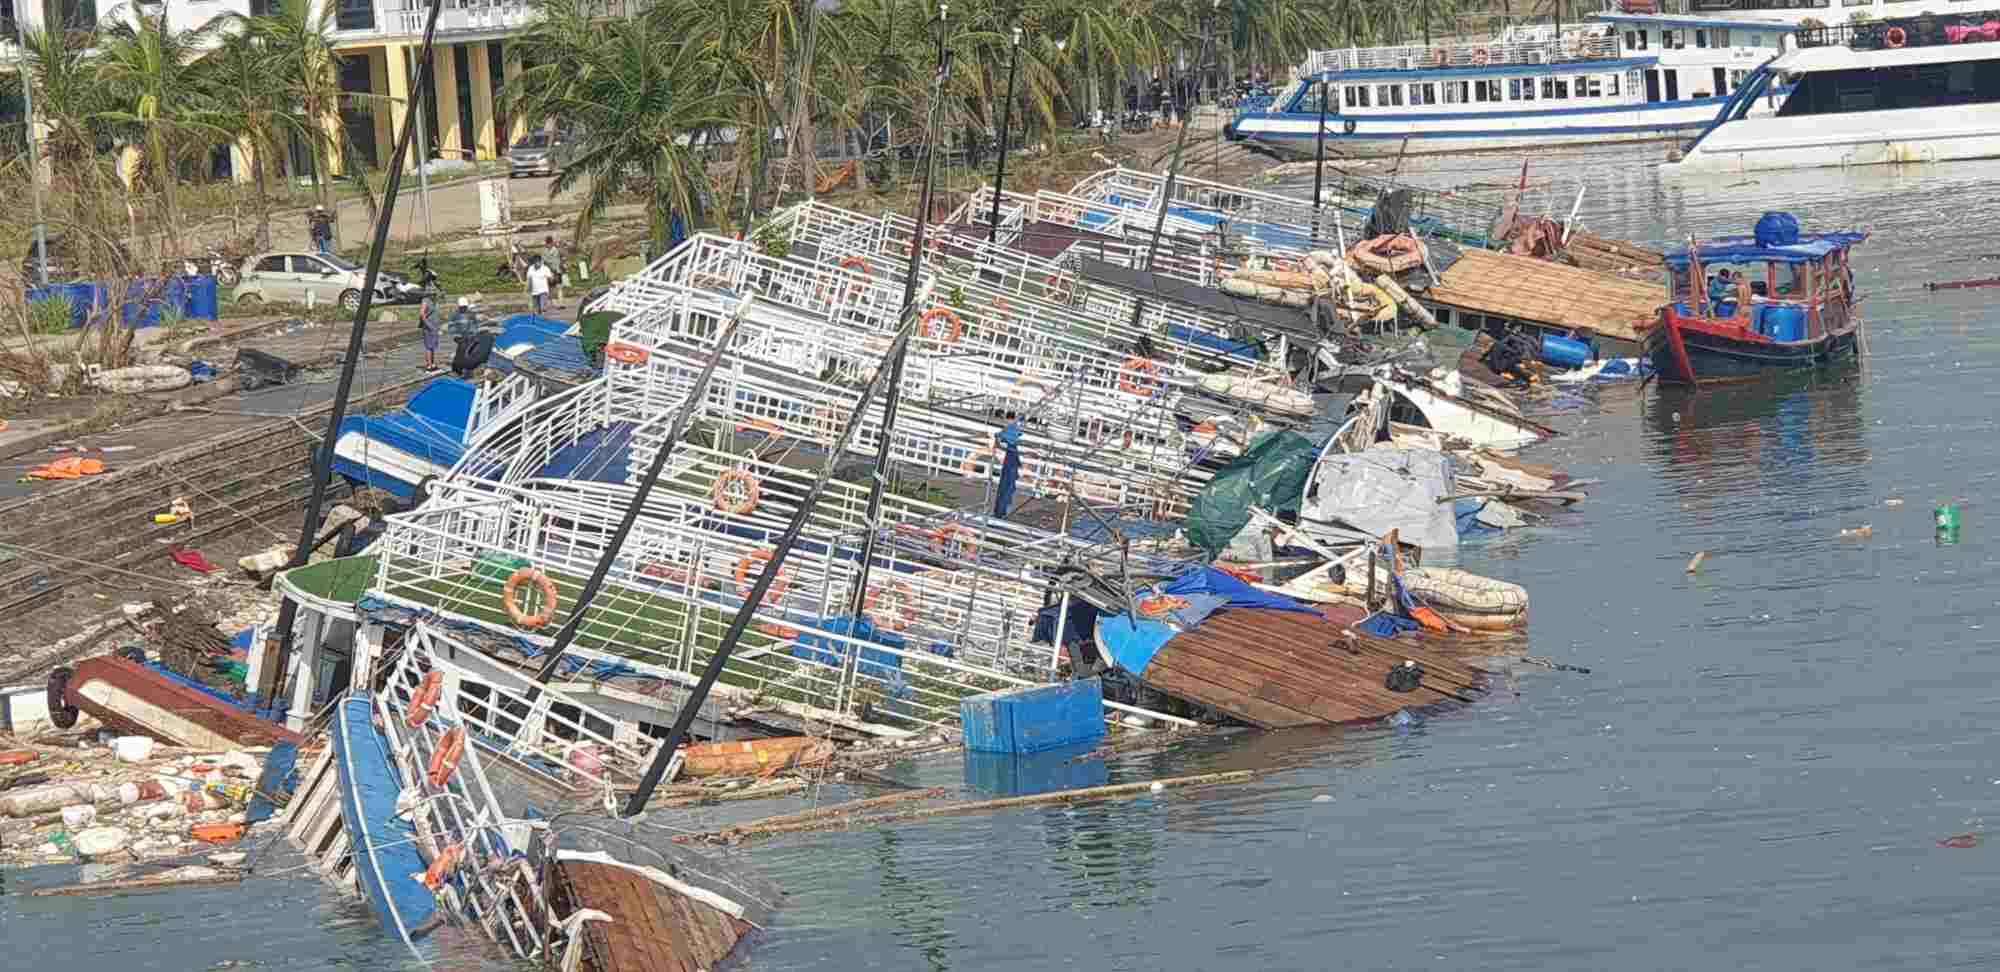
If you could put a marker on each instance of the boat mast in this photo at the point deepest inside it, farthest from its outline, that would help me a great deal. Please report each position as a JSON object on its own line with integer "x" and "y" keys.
{"x": 891, "y": 396}
{"x": 892, "y": 375}
{"x": 1180, "y": 142}
{"x": 271, "y": 672}
{"x": 595, "y": 584}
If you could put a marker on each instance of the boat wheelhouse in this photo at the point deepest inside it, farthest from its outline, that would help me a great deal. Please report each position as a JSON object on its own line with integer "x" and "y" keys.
{"x": 1618, "y": 77}
{"x": 1922, "y": 88}
{"x": 1746, "y": 305}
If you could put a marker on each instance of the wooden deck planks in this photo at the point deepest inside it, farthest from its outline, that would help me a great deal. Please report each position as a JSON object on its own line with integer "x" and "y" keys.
{"x": 1277, "y": 668}
{"x": 652, "y": 929}
{"x": 1527, "y": 289}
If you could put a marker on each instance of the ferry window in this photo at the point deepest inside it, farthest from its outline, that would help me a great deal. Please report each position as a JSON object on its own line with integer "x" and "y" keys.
{"x": 1555, "y": 88}
{"x": 1483, "y": 90}
{"x": 1635, "y": 40}
{"x": 1611, "y": 85}
{"x": 1455, "y": 93}
{"x": 1719, "y": 37}
{"x": 1671, "y": 40}
{"x": 1958, "y": 78}
{"x": 1736, "y": 79}
{"x": 1701, "y": 38}
{"x": 1388, "y": 94}
{"x": 1423, "y": 94}
{"x": 1521, "y": 89}
{"x": 1589, "y": 87}
{"x": 1357, "y": 96}
{"x": 1632, "y": 80}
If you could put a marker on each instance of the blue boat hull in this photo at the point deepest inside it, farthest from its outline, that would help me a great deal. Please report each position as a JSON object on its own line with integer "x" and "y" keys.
{"x": 386, "y": 861}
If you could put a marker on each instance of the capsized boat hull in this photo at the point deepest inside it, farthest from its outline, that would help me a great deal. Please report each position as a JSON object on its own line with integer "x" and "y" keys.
{"x": 132, "y": 698}
{"x": 1684, "y": 353}
{"x": 387, "y": 864}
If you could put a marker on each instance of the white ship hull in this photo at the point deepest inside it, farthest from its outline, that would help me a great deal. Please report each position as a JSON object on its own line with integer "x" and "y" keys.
{"x": 1293, "y": 134}
{"x": 1942, "y": 134}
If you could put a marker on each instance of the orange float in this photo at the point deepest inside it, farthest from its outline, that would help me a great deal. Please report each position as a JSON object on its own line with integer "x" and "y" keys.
{"x": 510, "y": 597}
{"x": 19, "y": 757}
{"x": 425, "y": 700}
{"x": 1131, "y": 383}
{"x": 953, "y": 326}
{"x": 441, "y": 869}
{"x": 955, "y": 541}
{"x": 779, "y": 584}
{"x": 895, "y": 601}
{"x": 217, "y": 833}
{"x": 623, "y": 353}
{"x": 444, "y": 762}
{"x": 736, "y": 492}
{"x": 1160, "y": 607}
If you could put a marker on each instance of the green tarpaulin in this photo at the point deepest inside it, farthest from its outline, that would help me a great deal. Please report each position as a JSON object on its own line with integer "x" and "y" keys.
{"x": 1270, "y": 475}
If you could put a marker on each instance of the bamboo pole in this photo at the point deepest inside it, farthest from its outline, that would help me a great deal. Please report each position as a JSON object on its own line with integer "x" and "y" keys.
{"x": 771, "y": 824}
{"x": 133, "y": 884}
{"x": 1008, "y": 803}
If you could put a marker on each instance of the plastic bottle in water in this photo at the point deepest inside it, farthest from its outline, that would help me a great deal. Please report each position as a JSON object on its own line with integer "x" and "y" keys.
{"x": 61, "y": 839}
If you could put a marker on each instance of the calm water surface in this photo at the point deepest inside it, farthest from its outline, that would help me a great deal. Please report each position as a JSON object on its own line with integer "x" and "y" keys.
{"x": 1755, "y": 775}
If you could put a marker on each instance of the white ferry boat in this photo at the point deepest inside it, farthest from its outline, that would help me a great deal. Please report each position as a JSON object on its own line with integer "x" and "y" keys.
{"x": 1621, "y": 76}
{"x": 1918, "y": 88}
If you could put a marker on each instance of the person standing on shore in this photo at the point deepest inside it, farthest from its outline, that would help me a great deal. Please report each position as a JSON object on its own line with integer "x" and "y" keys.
{"x": 429, "y": 321}
{"x": 552, "y": 257}
{"x": 319, "y": 226}
{"x": 538, "y": 286}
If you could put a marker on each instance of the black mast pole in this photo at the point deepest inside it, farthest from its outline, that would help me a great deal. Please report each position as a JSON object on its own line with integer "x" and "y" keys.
{"x": 1319, "y": 160}
{"x": 271, "y": 674}
{"x": 688, "y": 408}
{"x": 1006, "y": 110}
{"x": 892, "y": 375}
{"x": 1174, "y": 168}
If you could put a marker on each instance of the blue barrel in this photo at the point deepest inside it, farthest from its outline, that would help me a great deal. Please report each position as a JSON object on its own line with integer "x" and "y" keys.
{"x": 1565, "y": 352}
{"x": 1782, "y": 322}
{"x": 203, "y": 300}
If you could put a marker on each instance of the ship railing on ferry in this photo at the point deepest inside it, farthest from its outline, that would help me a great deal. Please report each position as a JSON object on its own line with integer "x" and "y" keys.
{"x": 1926, "y": 30}
{"x": 1518, "y": 46}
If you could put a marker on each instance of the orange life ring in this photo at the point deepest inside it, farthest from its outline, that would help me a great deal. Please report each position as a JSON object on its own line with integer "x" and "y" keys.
{"x": 672, "y": 575}
{"x": 901, "y": 610}
{"x": 736, "y": 492}
{"x": 425, "y": 700}
{"x": 1480, "y": 56}
{"x": 955, "y": 541}
{"x": 858, "y": 264}
{"x": 441, "y": 869}
{"x": 743, "y": 583}
{"x": 623, "y": 353}
{"x": 955, "y": 327}
{"x": 1059, "y": 288}
{"x": 765, "y": 426}
{"x": 1895, "y": 37}
{"x": 1160, "y": 607}
{"x": 1130, "y": 383}
{"x": 444, "y": 761}
{"x": 510, "y": 598}
{"x": 19, "y": 757}
{"x": 217, "y": 833}
{"x": 855, "y": 288}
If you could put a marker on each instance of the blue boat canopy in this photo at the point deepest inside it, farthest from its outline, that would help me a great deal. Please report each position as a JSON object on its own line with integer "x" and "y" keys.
{"x": 1810, "y": 248}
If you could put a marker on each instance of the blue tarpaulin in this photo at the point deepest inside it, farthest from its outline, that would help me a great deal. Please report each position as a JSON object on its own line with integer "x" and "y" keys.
{"x": 1010, "y": 469}
{"x": 1132, "y": 643}
{"x": 1811, "y": 247}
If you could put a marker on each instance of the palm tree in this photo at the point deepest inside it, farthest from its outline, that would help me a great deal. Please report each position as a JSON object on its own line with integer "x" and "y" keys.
{"x": 635, "y": 94}
{"x": 71, "y": 103}
{"x": 303, "y": 71}
{"x": 153, "y": 81}
{"x": 239, "y": 101}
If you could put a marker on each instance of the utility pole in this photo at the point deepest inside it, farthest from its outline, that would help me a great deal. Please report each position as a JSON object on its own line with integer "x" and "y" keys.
{"x": 1319, "y": 159}
{"x": 34, "y": 150}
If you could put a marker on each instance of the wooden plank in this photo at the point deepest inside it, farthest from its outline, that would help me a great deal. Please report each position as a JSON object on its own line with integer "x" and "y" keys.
{"x": 1296, "y": 697}
{"x": 1177, "y": 677}
{"x": 1527, "y": 289}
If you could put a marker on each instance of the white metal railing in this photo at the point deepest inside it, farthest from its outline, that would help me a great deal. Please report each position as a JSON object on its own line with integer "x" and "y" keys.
{"x": 494, "y": 401}
{"x": 1511, "y": 49}
{"x": 668, "y": 621}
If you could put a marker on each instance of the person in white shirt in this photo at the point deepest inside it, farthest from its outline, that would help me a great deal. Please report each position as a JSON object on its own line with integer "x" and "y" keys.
{"x": 539, "y": 276}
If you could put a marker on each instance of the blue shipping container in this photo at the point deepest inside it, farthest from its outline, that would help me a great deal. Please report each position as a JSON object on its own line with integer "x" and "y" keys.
{"x": 1035, "y": 719}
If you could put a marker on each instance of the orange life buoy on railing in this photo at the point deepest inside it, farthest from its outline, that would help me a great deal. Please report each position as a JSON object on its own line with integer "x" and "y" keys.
{"x": 441, "y": 869}
{"x": 623, "y": 353}
{"x": 425, "y": 700}
{"x": 511, "y": 600}
{"x": 952, "y": 329}
{"x": 893, "y": 607}
{"x": 1896, "y": 37}
{"x": 444, "y": 762}
{"x": 1131, "y": 383}
{"x": 736, "y": 492}
{"x": 955, "y": 541}
{"x": 1480, "y": 56}
{"x": 857, "y": 265}
{"x": 1059, "y": 289}
{"x": 664, "y": 572}
{"x": 1160, "y": 607}
{"x": 779, "y": 584}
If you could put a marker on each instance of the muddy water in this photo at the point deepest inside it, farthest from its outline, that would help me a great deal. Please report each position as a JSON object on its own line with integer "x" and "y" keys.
{"x": 1756, "y": 773}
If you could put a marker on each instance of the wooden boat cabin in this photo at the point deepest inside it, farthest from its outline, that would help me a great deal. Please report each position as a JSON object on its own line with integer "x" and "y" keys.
{"x": 1746, "y": 305}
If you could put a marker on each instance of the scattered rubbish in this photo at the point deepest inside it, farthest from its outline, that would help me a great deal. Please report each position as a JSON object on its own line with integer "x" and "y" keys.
{"x": 1407, "y": 677}
{"x": 756, "y": 757}
{"x": 72, "y": 467}
{"x": 98, "y": 841}
{"x": 1554, "y": 665}
{"x": 1157, "y": 786}
{"x": 1892, "y": 502}
{"x": 258, "y": 369}
{"x": 1695, "y": 564}
{"x": 138, "y": 379}
{"x": 218, "y": 833}
{"x": 192, "y": 560}
{"x": 228, "y": 858}
{"x": 1961, "y": 841}
{"x": 201, "y": 371}
{"x": 1859, "y": 533}
{"x": 177, "y": 511}
{"x": 133, "y": 749}
{"x": 79, "y": 816}
{"x": 1323, "y": 798}
{"x": 192, "y": 875}
{"x": 1947, "y": 517}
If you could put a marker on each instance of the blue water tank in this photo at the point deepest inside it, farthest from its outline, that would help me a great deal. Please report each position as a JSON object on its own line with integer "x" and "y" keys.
{"x": 1026, "y": 774}
{"x": 1782, "y": 322}
{"x": 1565, "y": 352}
{"x": 1777, "y": 229}
{"x": 1034, "y": 719}
{"x": 203, "y": 299}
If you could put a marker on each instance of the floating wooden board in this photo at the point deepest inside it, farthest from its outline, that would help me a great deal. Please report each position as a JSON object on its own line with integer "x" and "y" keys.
{"x": 1551, "y": 294}
{"x": 652, "y": 928}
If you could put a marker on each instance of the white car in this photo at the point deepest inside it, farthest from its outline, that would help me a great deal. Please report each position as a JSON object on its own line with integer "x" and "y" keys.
{"x": 290, "y": 277}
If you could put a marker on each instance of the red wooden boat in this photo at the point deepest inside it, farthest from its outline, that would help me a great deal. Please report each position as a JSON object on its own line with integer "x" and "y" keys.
{"x": 133, "y": 698}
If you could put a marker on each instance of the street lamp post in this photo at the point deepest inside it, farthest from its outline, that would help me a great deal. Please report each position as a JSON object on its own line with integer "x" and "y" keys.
{"x": 34, "y": 150}
{"x": 1319, "y": 159}
{"x": 1006, "y": 108}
